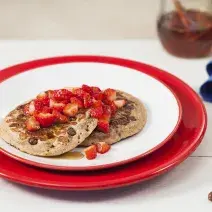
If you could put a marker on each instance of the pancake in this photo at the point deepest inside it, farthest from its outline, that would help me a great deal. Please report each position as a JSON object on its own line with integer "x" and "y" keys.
{"x": 51, "y": 141}
{"x": 127, "y": 122}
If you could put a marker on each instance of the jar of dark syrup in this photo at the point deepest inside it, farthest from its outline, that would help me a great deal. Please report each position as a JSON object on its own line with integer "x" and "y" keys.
{"x": 184, "y": 27}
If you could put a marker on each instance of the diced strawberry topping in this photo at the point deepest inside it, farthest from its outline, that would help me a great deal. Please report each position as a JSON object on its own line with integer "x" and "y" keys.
{"x": 113, "y": 108}
{"x": 95, "y": 89}
{"x": 59, "y": 106}
{"x": 97, "y": 103}
{"x": 77, "y": 101}
{"x": 103, "y": 126}
{"x": 87, "y": 89}
{"x": 78, "y": 92}
{"x": 96, "y": 112}
{"x": 26, "y": 109}
{"x": 120, "y": 103}
{"x": 61, "y": 94}
{"x": 107, "y": 110}
{"x": 98, "y": 96}
{"x": 60, "y": 118}
{"x": 90, "y": 152}
{"x": 105, "y": 117}
{"x": 110, "y": 94}
{"x": 45, "y": 119}
{"x": 42, "y": 95}
{"x": 38, "y": 104}
{"x": 32, "y": 124}
{"x": 31, "y": 108}
{"x": 102, "y": 147}
{"x": 71, "y": 109}
{"x": 87, "y": 100}
{"x": 47, "y": 109}
{"x": 50, "y": 93}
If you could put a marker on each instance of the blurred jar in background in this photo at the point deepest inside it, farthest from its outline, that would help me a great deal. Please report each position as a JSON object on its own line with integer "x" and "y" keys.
{"x": 185, "y": 27}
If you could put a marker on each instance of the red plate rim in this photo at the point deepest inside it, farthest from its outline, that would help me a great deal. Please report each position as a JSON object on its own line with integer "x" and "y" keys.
{"x": 31, "y": 65}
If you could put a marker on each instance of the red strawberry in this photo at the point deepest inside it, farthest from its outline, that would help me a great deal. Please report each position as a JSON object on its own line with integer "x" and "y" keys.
{"x": 97, "y": 103}
{"x": 107, "y": 110}
{"x": 95, "y": 89}
{"x": 78, "y": 92}
{"x": 120, "y": 103}
{"x": 77, "y": 101}
{"x": 26, "y": 110}
{"x": 113, "y": 108}
{"x": 87, "y": 89}
{"x": 87, "y": 100}
{"x": 105, "y": 117}
{"x": 45, "y": 119}
{"x": 102, "y": 147}
{"x": 60, "y": 118}
{"x": 90, "y": 152}
{"x": 71, "y": 109}
{"x": 50, "y": 93}
{"x": 98, "y": 96}
{"x": 103, "y": 126}
{"x": 47, "y": 109}
{"x": 38, "y": 104}
{"x": 31, "y": 108}
{"x": 96, "y": 112}
{"x": 110, "y": 94}
{"x": 42, "y": 95}
{"x": 57, "y": 105}
{"x": 61, "y": 94}
{"x": 32, "y": 124}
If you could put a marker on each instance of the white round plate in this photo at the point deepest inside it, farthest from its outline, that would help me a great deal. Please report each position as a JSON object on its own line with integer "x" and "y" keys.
{"x": 163, "y": 109}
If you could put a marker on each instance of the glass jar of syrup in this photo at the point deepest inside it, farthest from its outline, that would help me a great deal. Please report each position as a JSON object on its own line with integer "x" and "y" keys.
{"x": 184, "y": 27}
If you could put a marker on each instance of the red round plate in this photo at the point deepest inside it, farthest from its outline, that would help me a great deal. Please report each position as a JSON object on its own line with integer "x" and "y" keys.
{"x": 181, "y": 145}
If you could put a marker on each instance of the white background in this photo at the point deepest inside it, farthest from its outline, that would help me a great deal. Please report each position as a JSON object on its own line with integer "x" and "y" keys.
{"x": 185, "y": 187}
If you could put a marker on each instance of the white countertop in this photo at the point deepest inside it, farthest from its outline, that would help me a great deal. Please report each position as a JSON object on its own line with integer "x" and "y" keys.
{"x": 185, "y": 187}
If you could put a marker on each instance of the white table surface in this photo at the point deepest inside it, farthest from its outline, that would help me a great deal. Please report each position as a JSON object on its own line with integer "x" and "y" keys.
{"x": 185, "y": 187}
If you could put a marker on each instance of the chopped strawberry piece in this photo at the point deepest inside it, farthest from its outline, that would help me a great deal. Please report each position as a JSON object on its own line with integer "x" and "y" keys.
{"x": 102, "y": 147}
{"x": 97, "y": 103}
{"x": 60, "y": 118}
{"x": 103, "y": 126}
{"x": 38, "y": 104}
{"x": 42, "y": 95}
{"x": 50, "y": 93}
{"x": 105, "y": 117}
{"x": 96, "y": 112}
{"x": 95, "y": 89}
{"x": 90, "y": 152}
{"x": 45, "y": 101}
{"x": 120, "y": 103}
{"x": 31, "y": 108}
{"x": 77, "y": 101}
{"x": 57, "y": 105}
{"x": 71, "y": 109}
{"x": 61, "y": 94}
{"x": 87, "y": 89}
{"x": 47, "y": 109}
{"x": 32, "y": 124}
{"x": 98, "y": 96}
{"x": 26, "y": 110}
{"x": 113, "y": 108}
{"x": 78, "y": 92}
{"x": 87, "y": 100}
{"x": 107, "y": 110}
{"x": 110, "y": 94}
{"x": 45, "y": 119}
